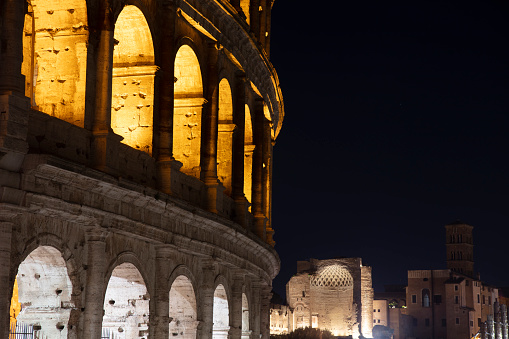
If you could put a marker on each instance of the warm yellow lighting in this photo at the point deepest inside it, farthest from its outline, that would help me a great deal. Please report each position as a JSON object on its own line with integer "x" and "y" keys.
{"x": 248, "y": 155}
{"x": 133, "y": 80}
{"x": 187, "y": 111}
{"x": 15, "y": 305}
{"x": 225, "y": 134}
{"x": 55, "y": 38}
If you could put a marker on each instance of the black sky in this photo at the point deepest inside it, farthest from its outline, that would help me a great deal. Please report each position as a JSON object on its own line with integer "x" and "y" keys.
{"x": 397, "y": 123}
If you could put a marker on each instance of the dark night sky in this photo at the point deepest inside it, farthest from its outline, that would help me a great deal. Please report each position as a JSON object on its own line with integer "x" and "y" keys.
{"x": 397, "y": 123}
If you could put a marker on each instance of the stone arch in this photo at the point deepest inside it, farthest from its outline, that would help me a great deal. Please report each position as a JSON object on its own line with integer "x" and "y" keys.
{"x": 55, "y": 38}
{"x": 248, "y": 154}
{"x": 225, "y": 135}
{"x": 221, "y": 311}
{"x": 183, "y": 306}
{"x": 43, "y": 293}
{"x": 188, "y": 105}
{"x": 126, "y": 302}
{"x": 133, "y": 80}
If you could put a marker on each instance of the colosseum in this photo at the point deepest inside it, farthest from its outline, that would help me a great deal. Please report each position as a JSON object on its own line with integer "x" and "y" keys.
{"x": 136, "y": 143}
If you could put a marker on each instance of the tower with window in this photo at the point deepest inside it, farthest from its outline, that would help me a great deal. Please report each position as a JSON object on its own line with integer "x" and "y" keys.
{"x": 460, "y": 248}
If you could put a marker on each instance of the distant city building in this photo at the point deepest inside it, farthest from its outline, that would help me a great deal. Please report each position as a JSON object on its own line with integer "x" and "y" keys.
{"x": 454, "y": 303}
{"x": 389, "y": 309}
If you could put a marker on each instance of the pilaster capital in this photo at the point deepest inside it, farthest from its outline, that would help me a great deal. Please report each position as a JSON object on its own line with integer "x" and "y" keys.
{"x": 96, "y": 234}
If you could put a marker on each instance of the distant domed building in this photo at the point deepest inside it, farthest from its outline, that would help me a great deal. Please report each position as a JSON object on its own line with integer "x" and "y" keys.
{"x": 335, "y": 294}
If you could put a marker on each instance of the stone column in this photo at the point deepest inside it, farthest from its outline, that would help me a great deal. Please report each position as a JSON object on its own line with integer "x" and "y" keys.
{"x": 505, "y": 325}
{"x": 208, "y": 154}
{"x": 105, "y": 142}
{"x": 95, "y": 286}
{"x": 257, "y": 209}
{"x": 163, "y": 138}
{"x": 267, "y": 179}
{"x": 239, "y": 119}
{"x": 255, "y": 311}
{"x": 236, "y": 307}
{"x": 265, "y": 295}
{"x": 11, "y": 48}
{"x": 159, "y": 320}
{"x": 206, "y": 300}
{"x": 6, "y": 281}
{"x": 254, "y": 10}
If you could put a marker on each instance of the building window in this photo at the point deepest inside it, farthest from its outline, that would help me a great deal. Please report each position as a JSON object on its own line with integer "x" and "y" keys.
{"x": 374, "y": 310}
{"x": 414, "y": 298}
{"x": 455, "y": 287}
{"x": 378, "y": 310}
{"x": 425, "y": 298}
{"x": 479, "y": 322}
{"x": 484, "y": 300}
{"x": 426, "y": 322}
{"x": 457, "y": 321}
{"x": 379, "y": 321}
{"x": 437, "y": 299}
{"x": 478, "y": 298}
{"x": 471, "y": 323}
{"x": 374, "y": 321}
{"x": 456, "y": 299}
{"x": 444, "y": 323}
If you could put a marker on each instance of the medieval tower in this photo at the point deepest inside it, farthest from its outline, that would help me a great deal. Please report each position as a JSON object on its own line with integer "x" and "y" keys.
{"x": 460, "y": 248}
{"x": 136, "y": 142}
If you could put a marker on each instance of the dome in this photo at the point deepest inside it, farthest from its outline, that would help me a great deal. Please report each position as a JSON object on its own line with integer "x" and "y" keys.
{"x": 332, "y": 276}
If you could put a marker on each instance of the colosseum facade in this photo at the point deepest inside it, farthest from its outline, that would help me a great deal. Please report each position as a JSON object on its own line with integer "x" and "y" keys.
{"x": 136, "y": 143}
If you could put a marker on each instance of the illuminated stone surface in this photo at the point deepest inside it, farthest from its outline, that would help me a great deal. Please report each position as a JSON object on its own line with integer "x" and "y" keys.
{"x": 135, "y": 168}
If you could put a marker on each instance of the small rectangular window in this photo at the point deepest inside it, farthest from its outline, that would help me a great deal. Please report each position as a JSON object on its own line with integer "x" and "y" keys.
{"x": 414, "y": 298}
{"x": 378, "y": 310}
{"x": 471, "y": 323}
{"x": 374, "y": 310}
{"x": 484, "y": 300}
{"x": 456, "y": 299}
{"x": 457, "y": 321}
{"x": 478, "y": 298}
{"x": 489, "y": 300}
{"x": 379, "y": 321}
{"x": 479, "y": 322}
{"x": 455, "y": 287}
{"x": 374, "y": 321}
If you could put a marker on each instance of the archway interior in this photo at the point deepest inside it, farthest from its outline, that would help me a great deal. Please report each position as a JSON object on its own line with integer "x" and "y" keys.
{"x": 183, "y": 322}
{"x": 221, "y": 314}
{"x": 43, "y": 294}
{"x": 126, "y": 304}
{"x": 54, "y": 64}
{"x": 187, "y": 113}
{"x": 246, "y": 333}
{"x": 225, "y": 135}
{"x": 248, "y": 155}
{"x": 133, "y": 80}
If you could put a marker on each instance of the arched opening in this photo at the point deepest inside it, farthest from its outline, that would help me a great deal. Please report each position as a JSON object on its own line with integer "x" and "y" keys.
{"x": 225, "y": 136}
{"x": 426, "y": 298}
{"x": 244, "y": 4}
{"x": 246, "y": 333}
{"x": 41, "y": 303}
{"x": 126, "y": 304}
{"x": 133, "y": 80}
{"x": 183, "y": 323}
{"x": 55, "y": 37}
{"x": 187, "y": 111}
{"x": 221, "y": 314}
{"x": 248, "y": 156}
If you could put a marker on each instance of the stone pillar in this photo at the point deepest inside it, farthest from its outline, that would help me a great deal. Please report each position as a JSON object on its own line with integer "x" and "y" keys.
{"x": 254, "y": 10}
{"x": 159, "y": 320}
{"x": 95, "y": 286}
{"x": 206, "y": 300}
{"x": 505, "y": 325}
{"x": 498, "y": 320}
{"x": 163, "y": 137}
{"x": 6, "y": 281}
{"x": 267, "y": 179}
{"x": 491, "y": 327}
{"x": 265, "y": 295}
{"x": 239, "y": 119}
{"x": 208, "y": 154}
{"x": 11, "y": 48}
{"x": 236, "y": 308}
{"x": 257, "y": 210}
{"x": 255, "y": 311}
{"x": 105, "y": 142}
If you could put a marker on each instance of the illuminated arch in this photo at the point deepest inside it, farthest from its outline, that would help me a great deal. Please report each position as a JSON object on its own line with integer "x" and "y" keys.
{"x": 187, "y": 111}
{"x": 55, "y": 38}
{"x": 248, "y": 155}
{"x": 42, "y": 295}
{"x": 182, "y": 309}
{"x": 225, "y": 135}
{"x": 221, "y": 314}
{"x": 126, "y": 303}
{"x": 133, "y": 80}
